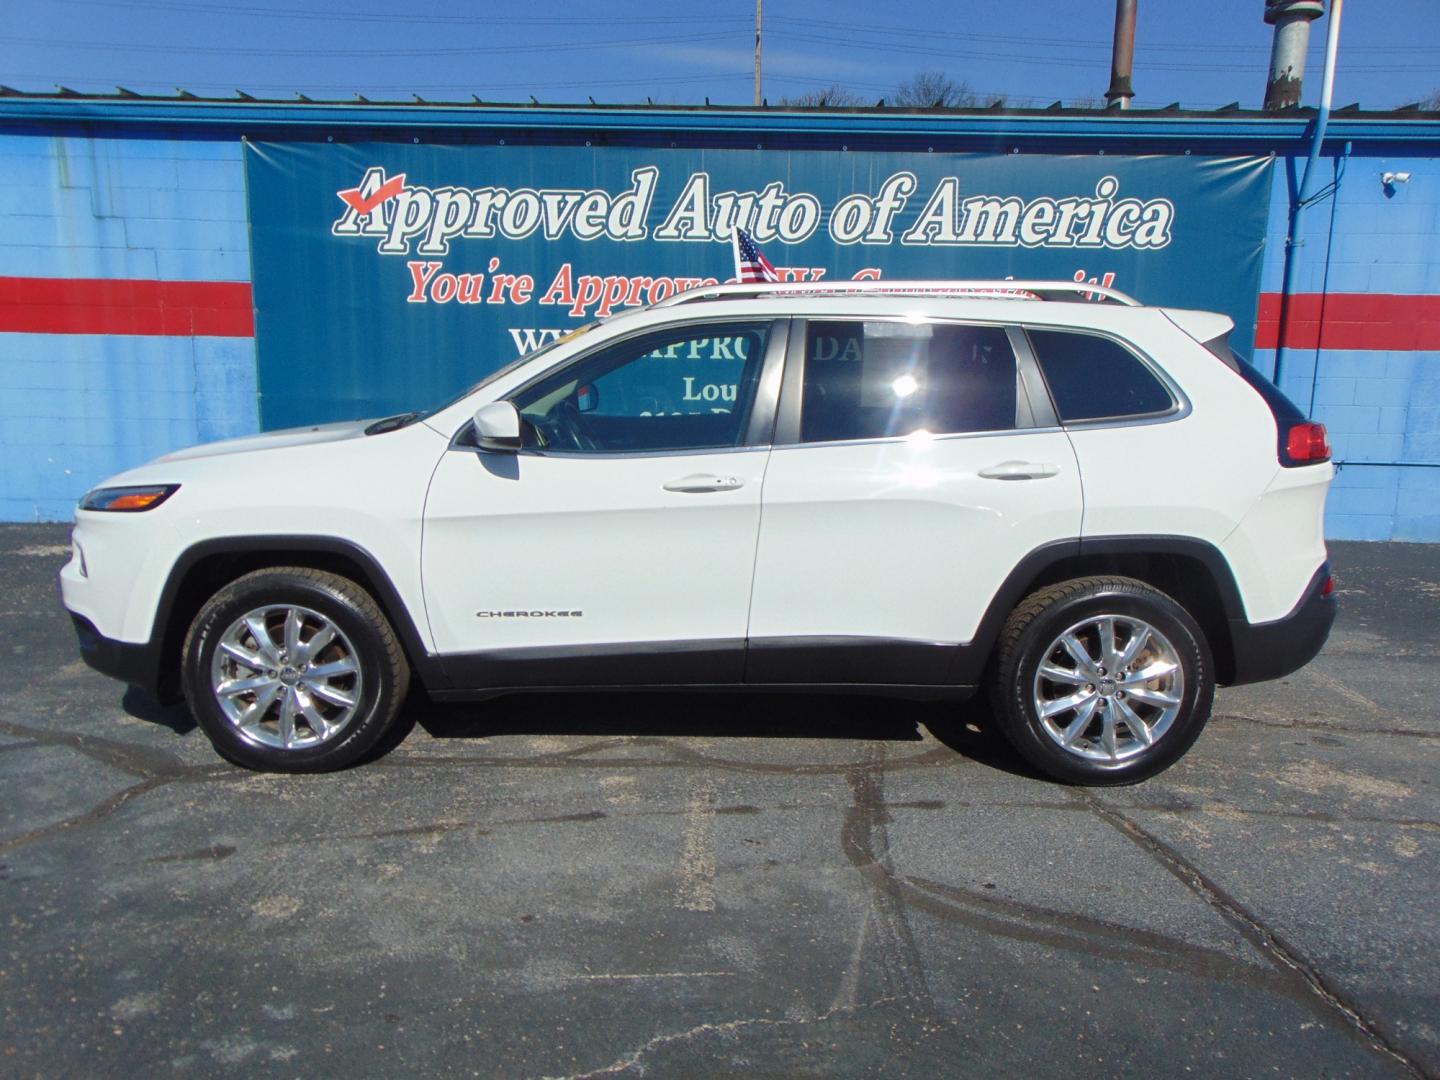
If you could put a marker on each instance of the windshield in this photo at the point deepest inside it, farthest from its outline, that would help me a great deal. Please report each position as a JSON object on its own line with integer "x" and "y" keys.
{"x": 391, "y": 423}
{"x": 508, "y": 368}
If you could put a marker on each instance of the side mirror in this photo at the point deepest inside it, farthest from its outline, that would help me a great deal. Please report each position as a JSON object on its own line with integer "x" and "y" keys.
{"x": 497, "y": 427}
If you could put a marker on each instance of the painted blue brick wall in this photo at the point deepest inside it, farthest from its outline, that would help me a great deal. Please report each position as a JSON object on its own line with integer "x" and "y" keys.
{"x": 1379, "y": 405}
{"x": 137, "y": 208}
{"x": 76, "y": 408}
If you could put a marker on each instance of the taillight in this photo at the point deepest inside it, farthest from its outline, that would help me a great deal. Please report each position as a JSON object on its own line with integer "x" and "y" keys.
{"x": 1328, "y": 589}
{"x": 1306, "y": 443}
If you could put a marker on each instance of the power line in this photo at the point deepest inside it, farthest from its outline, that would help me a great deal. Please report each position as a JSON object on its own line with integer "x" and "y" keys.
{"x": 351, "y": 88}
{"x": 1045, "y": 61}
{"x": 1079, "y": 43}
{"x": 409, "y": 18}
{"x": 474, "y": 50}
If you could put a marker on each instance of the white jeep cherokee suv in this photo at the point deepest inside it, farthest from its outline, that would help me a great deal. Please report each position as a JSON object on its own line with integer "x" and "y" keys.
{"x": 914, "y": 489}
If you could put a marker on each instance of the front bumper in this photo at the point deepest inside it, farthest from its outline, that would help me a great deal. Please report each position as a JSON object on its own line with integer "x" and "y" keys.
{"x": 138, "y": 665}
{"x": 1269, "y": 650}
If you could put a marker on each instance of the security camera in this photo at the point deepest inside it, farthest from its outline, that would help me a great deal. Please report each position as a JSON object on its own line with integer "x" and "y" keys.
{"x": 1390, "y": 179}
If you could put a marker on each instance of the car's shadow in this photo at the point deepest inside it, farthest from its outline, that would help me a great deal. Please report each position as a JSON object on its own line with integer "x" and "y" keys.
{"x": 142, "y": 706}
{"x": 965, "y": 727}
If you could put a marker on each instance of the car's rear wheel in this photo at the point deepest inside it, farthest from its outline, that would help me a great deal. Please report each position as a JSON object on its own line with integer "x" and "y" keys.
{"x": 1102, "y": 680}
{"x": 293, "y": 670}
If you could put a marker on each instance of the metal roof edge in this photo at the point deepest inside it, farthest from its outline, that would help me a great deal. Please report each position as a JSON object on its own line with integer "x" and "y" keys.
{"x": 1010, "y": 125}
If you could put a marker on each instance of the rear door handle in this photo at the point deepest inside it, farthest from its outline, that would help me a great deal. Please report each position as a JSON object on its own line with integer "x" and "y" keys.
{"x": 699, "y": 483}
{"x": 1020, "y": 470}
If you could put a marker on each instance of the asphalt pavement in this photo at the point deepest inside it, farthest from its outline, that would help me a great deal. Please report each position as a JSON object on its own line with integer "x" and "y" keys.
{"x": 704, "y": 886}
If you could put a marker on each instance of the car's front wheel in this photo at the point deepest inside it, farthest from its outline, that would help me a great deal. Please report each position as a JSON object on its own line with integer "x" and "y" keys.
{"x": 1102, "y": 680}
{"x": 293, "y": 670}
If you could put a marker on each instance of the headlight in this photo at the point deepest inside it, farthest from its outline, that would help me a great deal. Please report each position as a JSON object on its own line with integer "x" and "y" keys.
{"x": 128, "y": 499}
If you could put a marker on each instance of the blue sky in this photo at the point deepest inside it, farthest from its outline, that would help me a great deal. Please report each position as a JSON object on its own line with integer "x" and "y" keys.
{"x": 1203, "y": 55}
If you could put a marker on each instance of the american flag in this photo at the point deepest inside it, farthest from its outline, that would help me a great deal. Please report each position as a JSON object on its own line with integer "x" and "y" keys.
{"x": 750, "y": 265}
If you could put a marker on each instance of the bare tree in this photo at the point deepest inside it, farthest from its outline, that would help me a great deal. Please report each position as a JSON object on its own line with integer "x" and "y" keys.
{"x": 834, "y": 95}
{"x": 931, "y": 89}
{"x": 1431, "y": 101}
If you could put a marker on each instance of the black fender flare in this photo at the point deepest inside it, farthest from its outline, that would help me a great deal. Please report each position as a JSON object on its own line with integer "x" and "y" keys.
{"x": 165, "y": 636}
{"x": 1034, "y": 566}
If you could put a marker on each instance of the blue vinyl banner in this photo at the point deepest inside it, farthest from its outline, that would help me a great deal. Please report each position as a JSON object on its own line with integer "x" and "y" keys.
{"x": 389, "y": 276}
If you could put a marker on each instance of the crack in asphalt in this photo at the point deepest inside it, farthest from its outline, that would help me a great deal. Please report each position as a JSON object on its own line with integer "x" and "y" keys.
{"x": 152, "y": 769}
{"x": 634, "y": 1059}
{"x": 139, "y": 761}
{"x": 1321, "y": 727}
{"x": 1274, "y": 947}
{"x": 865, "y": 840}
{"x": 865, "y": 844}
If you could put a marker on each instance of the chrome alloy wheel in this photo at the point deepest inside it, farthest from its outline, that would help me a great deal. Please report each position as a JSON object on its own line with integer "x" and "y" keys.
{"x": 286, "y": 676}
{"x": 1108, "y": 688}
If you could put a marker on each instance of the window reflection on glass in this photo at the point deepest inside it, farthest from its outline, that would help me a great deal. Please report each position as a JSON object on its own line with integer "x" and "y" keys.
{"x": 685, "y": 388}
{"x": 868, "y": 380}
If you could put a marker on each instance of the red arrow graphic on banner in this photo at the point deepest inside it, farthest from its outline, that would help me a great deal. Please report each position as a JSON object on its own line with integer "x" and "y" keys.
{"x": 387, "y": 190}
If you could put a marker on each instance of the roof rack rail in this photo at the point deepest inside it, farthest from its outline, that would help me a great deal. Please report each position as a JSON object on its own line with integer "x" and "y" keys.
{"x": 978, "y": 289}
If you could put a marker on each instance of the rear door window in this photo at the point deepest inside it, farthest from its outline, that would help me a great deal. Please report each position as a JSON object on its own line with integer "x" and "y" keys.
{"x": 1096, "y": 378}
{"x": 879, "y": 379}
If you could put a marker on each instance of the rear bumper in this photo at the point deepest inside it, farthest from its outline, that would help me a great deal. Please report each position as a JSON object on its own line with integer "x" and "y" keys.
{"x": 138, "y": 665}
{"x": 1269, "y": 650}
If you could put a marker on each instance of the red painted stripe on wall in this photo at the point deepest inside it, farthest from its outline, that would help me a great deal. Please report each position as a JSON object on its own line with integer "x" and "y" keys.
{"x": 126, "y": 306}
{"x": 1387, "y": 321}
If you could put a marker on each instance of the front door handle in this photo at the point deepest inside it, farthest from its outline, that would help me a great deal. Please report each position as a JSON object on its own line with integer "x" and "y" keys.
{"x": 699, "y": 483}
{"x": 1020, "y": 470}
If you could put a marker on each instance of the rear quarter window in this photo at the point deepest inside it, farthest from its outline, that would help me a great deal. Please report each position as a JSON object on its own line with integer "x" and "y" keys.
{"x": 1097, "y": 378}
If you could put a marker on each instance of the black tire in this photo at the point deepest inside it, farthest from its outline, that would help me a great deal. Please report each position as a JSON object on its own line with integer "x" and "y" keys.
{"x": 383, "y": 673}
{"x": 1026, "y": 641}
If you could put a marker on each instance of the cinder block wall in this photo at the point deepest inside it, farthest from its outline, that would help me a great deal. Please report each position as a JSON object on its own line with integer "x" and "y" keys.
{"x": 1364, "y": 344}
{"x": 143, "y": 243}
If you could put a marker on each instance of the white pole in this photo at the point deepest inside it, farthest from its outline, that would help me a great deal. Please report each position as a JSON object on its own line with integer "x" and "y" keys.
{"x": 1327, "y": 95}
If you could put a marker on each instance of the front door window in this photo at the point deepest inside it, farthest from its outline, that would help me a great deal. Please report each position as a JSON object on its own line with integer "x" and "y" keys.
{"x": 684, "y": 388}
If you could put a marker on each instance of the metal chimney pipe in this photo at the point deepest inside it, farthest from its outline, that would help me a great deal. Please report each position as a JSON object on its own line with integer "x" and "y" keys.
{"x": 1291, "y": 19}
{"x": 1122, "y": 57}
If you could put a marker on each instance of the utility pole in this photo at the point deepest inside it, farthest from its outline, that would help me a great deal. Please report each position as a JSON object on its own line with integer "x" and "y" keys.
{"x": 758, "y": 4}
{"x": 1122, "y": 57}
